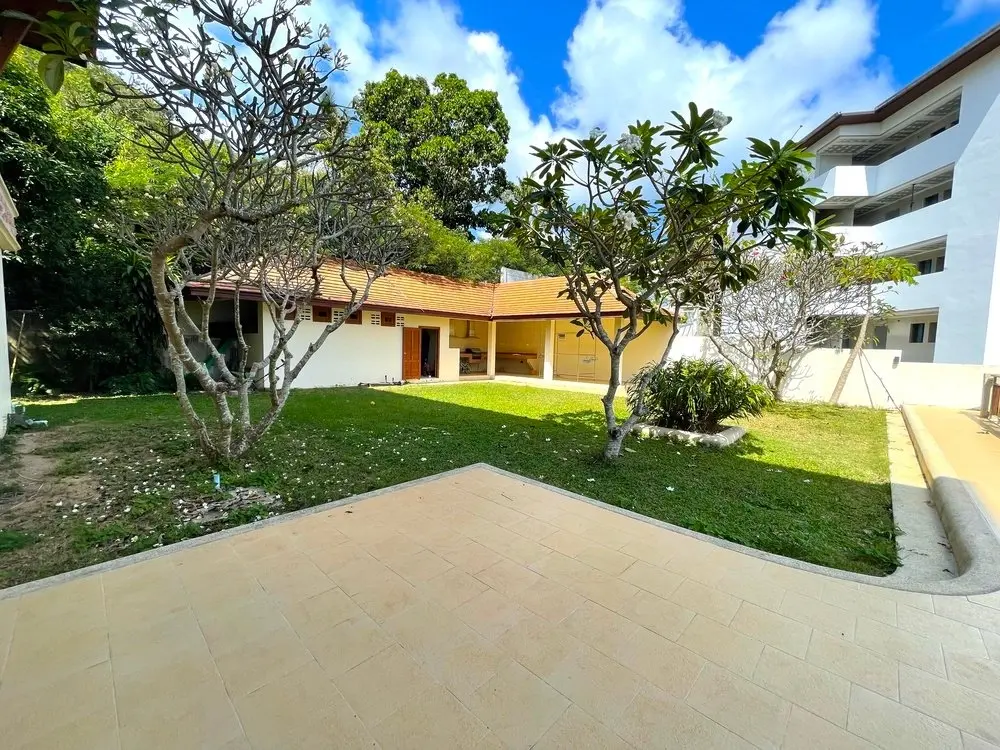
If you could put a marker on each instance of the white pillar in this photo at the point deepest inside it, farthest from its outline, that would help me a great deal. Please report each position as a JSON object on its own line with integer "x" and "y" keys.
{"x": 491, "y": 349}
{"x": 548, "y": 366}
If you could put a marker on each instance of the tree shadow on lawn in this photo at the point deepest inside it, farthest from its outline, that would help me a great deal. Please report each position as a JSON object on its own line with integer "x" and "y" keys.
{"x": 334, "y": 443}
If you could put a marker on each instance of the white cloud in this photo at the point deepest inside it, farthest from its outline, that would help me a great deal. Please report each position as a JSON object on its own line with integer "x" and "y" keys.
{"x": 635, "y": 59}
{"x": 967, "y": 8}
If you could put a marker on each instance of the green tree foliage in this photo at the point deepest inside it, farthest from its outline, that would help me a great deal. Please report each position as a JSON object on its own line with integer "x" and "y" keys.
{"x": 87, "y": 294}
{"x": 444, "y": 144}
{"x": 450, "y": 252}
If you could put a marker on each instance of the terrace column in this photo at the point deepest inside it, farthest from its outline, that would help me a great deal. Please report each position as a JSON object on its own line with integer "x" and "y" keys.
{"x": 548, "y": 365}
{"x": 491, "y": 349}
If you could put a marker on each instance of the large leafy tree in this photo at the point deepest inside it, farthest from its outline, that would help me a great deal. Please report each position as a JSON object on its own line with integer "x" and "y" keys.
{"x": 444, "y": 143}
{"x": 647, "y": 222}
{"x": 76, "y": 284}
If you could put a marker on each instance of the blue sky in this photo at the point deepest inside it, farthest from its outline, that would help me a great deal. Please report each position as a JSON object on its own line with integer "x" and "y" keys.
{"x": 564, "y": 66}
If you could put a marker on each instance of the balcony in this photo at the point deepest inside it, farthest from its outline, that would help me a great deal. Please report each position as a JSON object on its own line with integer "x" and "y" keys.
{"x": 909, "y": 229}
{"x": 927, "y": 293}
{"x": 857, "y": 182}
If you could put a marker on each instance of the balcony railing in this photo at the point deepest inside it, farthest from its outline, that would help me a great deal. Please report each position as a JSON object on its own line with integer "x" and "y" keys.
{"x": 920, "y": 225}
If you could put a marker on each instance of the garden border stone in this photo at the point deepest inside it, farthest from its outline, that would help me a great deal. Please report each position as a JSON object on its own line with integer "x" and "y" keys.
{"x": 722, "y": 439}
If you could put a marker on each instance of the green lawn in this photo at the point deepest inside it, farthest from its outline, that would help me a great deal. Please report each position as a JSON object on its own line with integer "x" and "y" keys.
{"x": 809, "y": 481}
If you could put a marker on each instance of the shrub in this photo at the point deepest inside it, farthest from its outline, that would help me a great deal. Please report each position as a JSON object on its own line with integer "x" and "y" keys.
{"x": 697, "y": 395}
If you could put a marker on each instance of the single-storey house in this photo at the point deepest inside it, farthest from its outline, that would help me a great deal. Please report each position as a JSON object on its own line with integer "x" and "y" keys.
{"x": 416, "y": 326}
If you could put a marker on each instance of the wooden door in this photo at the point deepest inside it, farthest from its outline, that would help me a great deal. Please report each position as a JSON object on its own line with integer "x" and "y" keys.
{"x": 411, "y": 354}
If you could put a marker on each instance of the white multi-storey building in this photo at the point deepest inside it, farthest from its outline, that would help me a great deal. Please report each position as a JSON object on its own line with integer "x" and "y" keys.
{"x": 920, "y": 174}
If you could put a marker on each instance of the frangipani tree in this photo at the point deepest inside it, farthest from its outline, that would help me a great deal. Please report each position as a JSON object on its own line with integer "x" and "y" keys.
{"x": 646, "y": 221}
{"x": 271, "y": 192}
{"x": 799, "y": 301}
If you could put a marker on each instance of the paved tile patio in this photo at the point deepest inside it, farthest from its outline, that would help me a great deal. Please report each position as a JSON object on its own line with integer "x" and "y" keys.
{"x": 477, "y": 611}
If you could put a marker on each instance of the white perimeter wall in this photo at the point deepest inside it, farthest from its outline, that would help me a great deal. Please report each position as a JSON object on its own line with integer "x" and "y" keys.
{"x": 879, "y": 378}
{"x": 363, "y": 353}
{"x": 4, "y": 363}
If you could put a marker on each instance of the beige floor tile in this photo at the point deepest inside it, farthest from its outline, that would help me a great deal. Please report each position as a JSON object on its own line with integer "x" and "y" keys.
{"x": 463, "y": 662}
{"x": 793, "y": 579}
{"x": 533, "y": 528}
{"x": 859, "y": 665}
{"x": 421, "y": 567}
{"x": 380, "y": 686}
{"x": 654, "y": 551}
{"x": 971, "y": 742}
{"x": 651, "y": 578}
{"x": 292, "y": 709}
{"x": 599, "y": 627}
{"x": 577, "y": 730}
{"x": 296, "y": 579}
{"x": 961, "y": 609}
{"x": 230, "y": 628}
{"x": 259, "y": 662}
{"x": 517, "y": 706}
{"x": 706, "y": 601}
{"x": 968, "y": 710}
{"x": 507, "y": 577}
{"x": 393, "y": 549}
{"x": 472, "y": 557}
{"x": 33, "y": 662}
{"x": 27, "y": 714}
{"x": 807, "y": 731}
{"x": 549, "y": 600}
{"x": 94, "y": 732}
{"x": 972, "y": 672}
{"x": 537, "y": 644}
{"x": 755, "y": 714}
{"x": 210, "y": 722}
{"x": 818, "y": 615}
{"x": 901, "y": 645}
{"x": 776, "y": 630}
{"x": 607, "y": 591}
{"x": 670, "y": 667}
{"x": 230, "y": 588}
{"x": 862, "y": 602}
{"x": 433, "y": 719}
{"x": 347, "y": 644}
{"x": 889, "y": 724}
{"x": 825, "y": 694}
{"x": 959, "y": 637}
{"x": 659, "y": 615}
{"x": 385, "y": 598}
{"x": 605, "y": 559}
{"x": 722, "y": 645}
{"x": 752, "y": 588}
{"x": 491, "y": 614}
{"x": 171, "y": 688}
{"x": 320, "y": 612}
{"x": 696, "y": 565}
{"x": 596, "y": 683}
{"x": 452, "y": 589}
{"x": 655, "y": 719}
{"x": 424, "y": 625}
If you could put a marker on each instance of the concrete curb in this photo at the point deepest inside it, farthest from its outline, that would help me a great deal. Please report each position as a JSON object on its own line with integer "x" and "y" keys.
{"x": 722, "y": 439}
{"x": 973, "y": 536}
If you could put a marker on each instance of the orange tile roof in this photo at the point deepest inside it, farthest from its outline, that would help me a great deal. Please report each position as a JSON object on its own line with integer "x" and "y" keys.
{"x": 411, "y": 291}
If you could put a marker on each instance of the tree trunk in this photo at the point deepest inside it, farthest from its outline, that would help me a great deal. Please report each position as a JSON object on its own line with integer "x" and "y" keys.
{"x": 851, "y": 358}
{"x": 616, "y": 436}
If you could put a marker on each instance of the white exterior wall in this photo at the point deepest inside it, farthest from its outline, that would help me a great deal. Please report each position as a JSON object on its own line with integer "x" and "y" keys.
{"x": 967, "y": 293}
{"x": 363, "y": 353}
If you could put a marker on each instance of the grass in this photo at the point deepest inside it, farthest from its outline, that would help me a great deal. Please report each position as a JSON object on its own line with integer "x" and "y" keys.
{"x": 809, "y": 481}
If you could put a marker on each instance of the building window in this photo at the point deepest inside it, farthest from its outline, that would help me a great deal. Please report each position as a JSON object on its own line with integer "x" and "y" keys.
{"x": 375, "y": 318}
{"x": 930, "y": 200}
{"x": 388, "y": 320}
{"x": 939, "y": 263}
{"x": 354, "y": 318}
{"x": 337, "y": 316}
{"x": 932, "y": 333}
{"x": 299, "y": 313}
{"x": 891, "y": 214}
{"x": 939, "y": 131}
{"x": 916, "y": 333}
{"x": 322, "y": 314}
{"x": 925, "y": 266}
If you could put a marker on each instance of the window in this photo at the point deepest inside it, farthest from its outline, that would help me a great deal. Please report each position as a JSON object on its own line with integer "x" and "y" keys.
{"x": 947, "y": 194}
{"x": 354, "y": 318}
{"x": 939, "y": 131}
{"x": 337, "y": 316}
{"x": 925, "y": 266}
{"x": 939, "y": 263}
{"x": 891, "y": 214}
{"x": 400, "y": 321}
{"x": 881, "y": 334}
{"x": 932, "y": 333}
{"x": 916, "y": 333}
{"x": 375, "y": 318}
{"x": 930, "y": 200}
{"x": 388, "y": 320}
{"x": 299, "y": 313}
{"x": 322, "y": 314}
